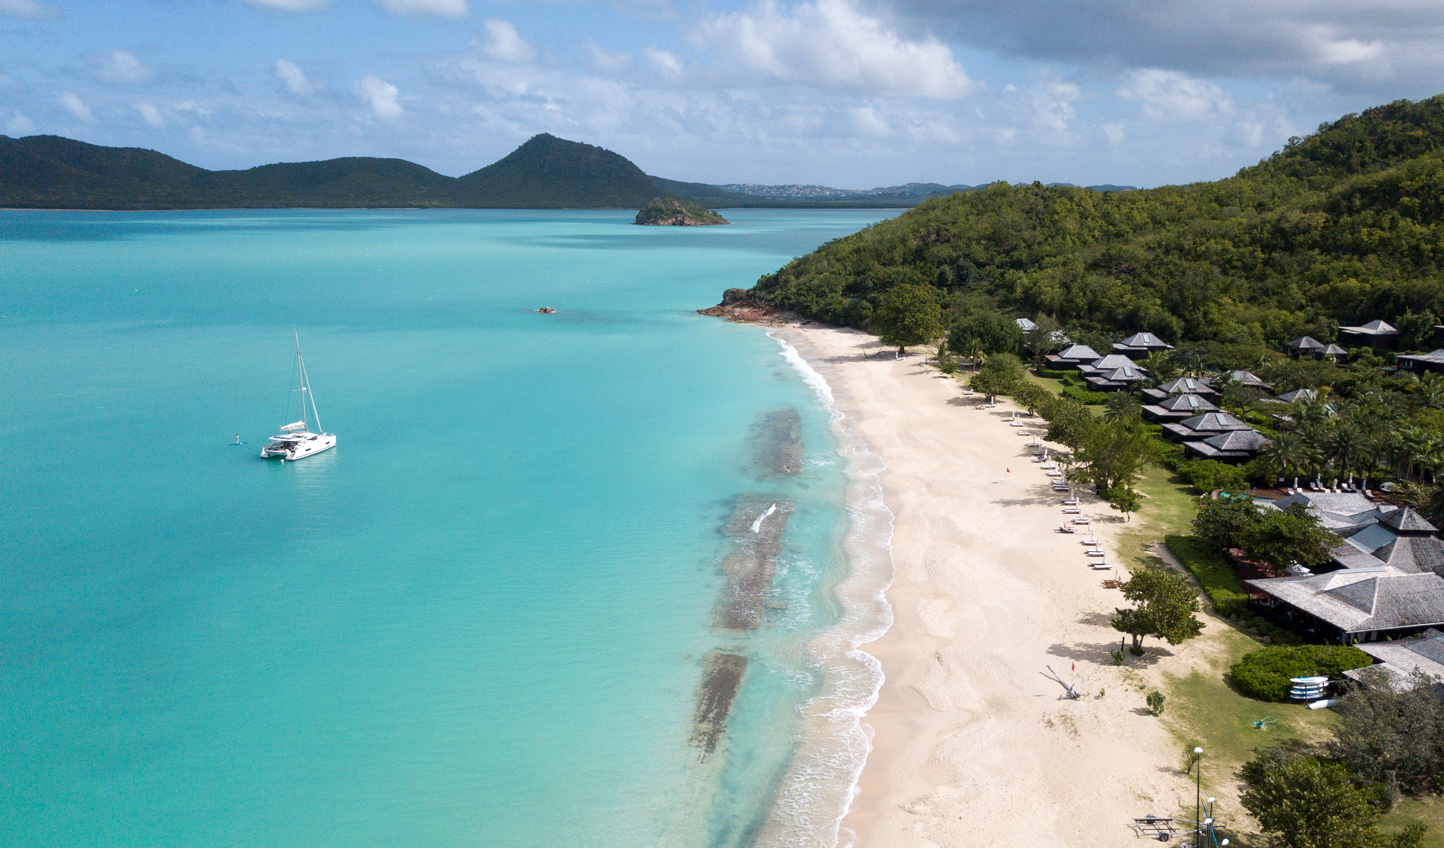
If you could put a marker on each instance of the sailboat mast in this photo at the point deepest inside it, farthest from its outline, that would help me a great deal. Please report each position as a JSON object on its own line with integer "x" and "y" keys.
{"x": 306, "y": 388}
{"x": 301, "y": 375}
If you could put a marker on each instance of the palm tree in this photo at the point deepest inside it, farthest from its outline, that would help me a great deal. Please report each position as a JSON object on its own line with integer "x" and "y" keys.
{"x": 1122, "y": 406}
{"x": 1288, "y": 455}
{"x": 1431, "y": 390}
{"x": 1350, "y": 450}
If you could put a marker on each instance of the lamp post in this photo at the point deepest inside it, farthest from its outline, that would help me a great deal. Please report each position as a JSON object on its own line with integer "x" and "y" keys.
{"x": 1198, "y": 797}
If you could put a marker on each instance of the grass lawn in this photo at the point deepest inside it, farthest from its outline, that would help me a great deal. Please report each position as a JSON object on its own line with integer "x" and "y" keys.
{"x": 1430, "y": 811}
{"x": 1168, "y": 507}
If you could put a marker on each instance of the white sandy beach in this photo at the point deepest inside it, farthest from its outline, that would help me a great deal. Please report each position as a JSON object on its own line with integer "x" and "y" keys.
{"x": 973, "y": 745}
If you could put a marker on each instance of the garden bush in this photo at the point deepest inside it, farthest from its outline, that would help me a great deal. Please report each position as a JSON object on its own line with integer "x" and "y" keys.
{"x": 1083, "y": 395}
{"x": 1054, "y": 373}
{"x": 1264, "y": 674}
{"x": 1208, "y": 475}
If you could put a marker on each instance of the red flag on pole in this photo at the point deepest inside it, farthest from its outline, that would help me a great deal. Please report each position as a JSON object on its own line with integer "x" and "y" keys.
{"x": 1075, "y": 666}
{"x": 1007, "y": 470}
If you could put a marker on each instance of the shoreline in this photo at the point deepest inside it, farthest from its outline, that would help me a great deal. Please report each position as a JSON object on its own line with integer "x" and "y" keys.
{"x": 968, "y": 741}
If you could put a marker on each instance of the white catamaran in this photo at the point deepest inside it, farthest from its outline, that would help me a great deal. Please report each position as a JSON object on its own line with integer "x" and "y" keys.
{"x": 296, "y": 440}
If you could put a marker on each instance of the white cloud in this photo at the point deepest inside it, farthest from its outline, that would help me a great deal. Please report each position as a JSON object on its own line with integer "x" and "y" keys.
{"x": 293, "y": 77}
{"x": 1114, "y": 133}
{"x": 289, "y": 5}
{"x": 19, "y": 124}
{"x": 831, "y": 43}
{"x": 666, "y": 63}
{"x": 503, "y": 43}
{"x": 9, "y": 82}
{"x": 1173, "y": 96}
{"x": 866, "y": 121}
{"x": 122, "y": 67}
{"x": 74, "y": 105}
{"x": 605, "y": 62}
{"x": 421, "y": 8}
{"x": 380, "y": 96}
{"x": 150, "y": 115}
{"x": 27, "y": 9}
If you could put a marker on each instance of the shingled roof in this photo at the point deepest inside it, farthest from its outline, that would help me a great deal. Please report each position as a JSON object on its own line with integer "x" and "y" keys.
{"x": 1363, "y": 600}
{"x": 1372, "y": 328}
{"x": 1407, "y": 522}
{"x": 1402, "y": 657}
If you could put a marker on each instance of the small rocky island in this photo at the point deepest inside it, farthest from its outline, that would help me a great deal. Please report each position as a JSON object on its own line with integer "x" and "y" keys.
{"x": 671, "y": 212}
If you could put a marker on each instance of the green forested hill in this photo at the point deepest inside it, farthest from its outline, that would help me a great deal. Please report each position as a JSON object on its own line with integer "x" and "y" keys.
{"x": 545, "y": 172}
{"x": 1340, "y": 227}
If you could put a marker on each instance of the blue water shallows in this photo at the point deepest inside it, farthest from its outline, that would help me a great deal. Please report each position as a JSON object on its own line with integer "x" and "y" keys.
{"x": 483, "y": 618}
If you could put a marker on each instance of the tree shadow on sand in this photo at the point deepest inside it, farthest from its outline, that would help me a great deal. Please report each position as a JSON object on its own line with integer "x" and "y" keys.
{"x": 1099, "y": 653}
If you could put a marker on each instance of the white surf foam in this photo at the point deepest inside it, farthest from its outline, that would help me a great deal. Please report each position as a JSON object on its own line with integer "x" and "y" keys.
{"x": 757, "y": 525}
{"x": 821, "y": 782}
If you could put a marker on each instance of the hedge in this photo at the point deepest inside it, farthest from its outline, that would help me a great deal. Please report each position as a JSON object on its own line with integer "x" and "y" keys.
{"x": 1084, "y": 396}
{"x": 1222, "y": 585}
{"x": 1264, "y": 674}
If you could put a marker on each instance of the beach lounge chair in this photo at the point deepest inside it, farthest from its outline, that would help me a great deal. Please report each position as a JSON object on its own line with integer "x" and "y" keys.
{"x": 1070, "y": 502}
{"x": 1096, "y": 552}
{"x": 1082, "y": 519}
{"x": 1098, "y": 565}
{"x": 1055, "y": 473}
{"x": 1067, "y": 528}
{"x": 1072, "y": 510}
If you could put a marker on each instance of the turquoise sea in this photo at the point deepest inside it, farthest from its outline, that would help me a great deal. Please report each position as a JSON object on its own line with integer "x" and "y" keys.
{"x": 483, "y": 619}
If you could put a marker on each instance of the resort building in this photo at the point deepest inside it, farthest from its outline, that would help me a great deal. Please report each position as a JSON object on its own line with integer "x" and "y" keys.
{"x": 1233, "y": 446}
{"x": 1203, "y": 426}
{"x": 1375, "y": 334}
{"x": 1399, "y": 660}
{"x": 1183, "y": 386}
{"x": 1216, "y": 435}
{"x": 1432, "y": 361}
{"x": 1334, "y": 352}
{"x": 1073, "y": 356}
{"x": 1357, "y": 604}
{"x": 1372, "y": 533}
{"x": 1025, "y": 325}
{"x": 1142, "y": 344}
{"x": 1177, "y": 407}
{"x": 1305, "y": 346}
{"x": 1246, "y": 378}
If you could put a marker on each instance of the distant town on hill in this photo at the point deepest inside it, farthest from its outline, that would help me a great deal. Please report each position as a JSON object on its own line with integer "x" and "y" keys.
{"x": 51, "y": 172}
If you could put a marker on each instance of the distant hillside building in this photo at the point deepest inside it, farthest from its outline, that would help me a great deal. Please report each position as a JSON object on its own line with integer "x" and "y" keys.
{"x": 1432, "y": 361}
{"x": 1072, "y": 356}
{"x": 1216, "y": 435}
{"x": 1246, "y": 378}
{"x": 1305, "y": 346}
{"x": 1177, "y": 407}
{"x": 1375, "y": 334}
{"x": 1183, "y": 386}
{"x": 1142, "y": 344}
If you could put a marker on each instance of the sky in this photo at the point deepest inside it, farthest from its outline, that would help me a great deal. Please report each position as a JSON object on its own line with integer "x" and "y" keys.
{"x": 845, "y": 93}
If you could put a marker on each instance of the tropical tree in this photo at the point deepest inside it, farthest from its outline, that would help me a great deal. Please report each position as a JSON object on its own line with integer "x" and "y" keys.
{"x": 1284, "y": 537}
{"x": 1165, "y": 606}
{"x": 1288, "y": 455}
{"x": 1122, "y": 406}
{"x": 1125, "y": 499}
{"x": 1305, "y": 802}
{"x": 1114, "y": 454}
{"x": 1393, "y": 736}
{"x": 1044, "y": 338}
{"x": 1224, "y": 522}
{"x": 908, "y": 314}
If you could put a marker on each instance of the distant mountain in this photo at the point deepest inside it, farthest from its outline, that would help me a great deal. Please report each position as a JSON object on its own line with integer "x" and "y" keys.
{"x": 46, "y": 171}
{"x": 549, "y": 172}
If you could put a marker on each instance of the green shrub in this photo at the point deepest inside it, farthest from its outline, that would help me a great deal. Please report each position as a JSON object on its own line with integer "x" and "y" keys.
{"x": 1055, "y": 374}
{"x": 1083, "y": 395}
{"x": 1225, "y": 590}
{"x": 1155, "y": 702}
{"x": 1208, "y": 475}
{"x": 1264, "y": 674}
{"x": 1000, "y": 374}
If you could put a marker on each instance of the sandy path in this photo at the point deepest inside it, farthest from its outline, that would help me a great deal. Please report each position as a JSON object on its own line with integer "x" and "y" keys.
{"x": 973, "y": 746}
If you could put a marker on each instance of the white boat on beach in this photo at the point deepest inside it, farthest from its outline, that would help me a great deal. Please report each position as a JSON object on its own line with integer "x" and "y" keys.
{"x": 296, "y": 440}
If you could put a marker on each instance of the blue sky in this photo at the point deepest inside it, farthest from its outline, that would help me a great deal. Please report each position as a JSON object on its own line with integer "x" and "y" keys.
{"x": 850, "y": 93}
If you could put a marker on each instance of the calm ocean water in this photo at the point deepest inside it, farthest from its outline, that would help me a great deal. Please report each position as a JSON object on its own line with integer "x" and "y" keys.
{"x": 484, "y": 618}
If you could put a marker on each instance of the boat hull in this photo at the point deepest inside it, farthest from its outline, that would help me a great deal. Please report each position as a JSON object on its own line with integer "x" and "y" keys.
{"x": 302, "y": 450}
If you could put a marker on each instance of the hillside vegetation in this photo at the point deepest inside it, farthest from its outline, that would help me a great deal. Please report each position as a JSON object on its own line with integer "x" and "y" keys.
{"x": 49, "y": 172}
{"x": 1340, "y": 227}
